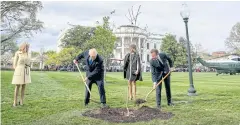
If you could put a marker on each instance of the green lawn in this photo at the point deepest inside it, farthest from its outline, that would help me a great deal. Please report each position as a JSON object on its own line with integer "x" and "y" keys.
{"x": 56, "y": 98}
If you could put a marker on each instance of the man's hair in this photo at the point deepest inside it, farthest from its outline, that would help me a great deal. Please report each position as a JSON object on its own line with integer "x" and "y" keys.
{"x": 133, "y": 46}
{"x": 93, "y": 50}
{"x": 154, "y": 51}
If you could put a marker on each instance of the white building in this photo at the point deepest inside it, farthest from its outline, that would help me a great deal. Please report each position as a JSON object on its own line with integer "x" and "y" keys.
{"x": 128, "y": 34}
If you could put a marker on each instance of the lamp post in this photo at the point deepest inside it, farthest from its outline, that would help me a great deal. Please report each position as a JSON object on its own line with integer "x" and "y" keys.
{"x": 185, "y": 13}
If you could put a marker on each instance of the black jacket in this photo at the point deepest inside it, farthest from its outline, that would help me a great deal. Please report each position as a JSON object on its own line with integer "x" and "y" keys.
{"x": 157, "y": 69}
{"x": 160, "y": 66}
{"x": 95, "y": 71}
{"x": 166, "y": 60}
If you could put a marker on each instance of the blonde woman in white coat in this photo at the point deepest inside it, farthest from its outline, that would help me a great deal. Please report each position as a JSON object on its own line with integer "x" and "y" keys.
{"x": 21, "y": 75}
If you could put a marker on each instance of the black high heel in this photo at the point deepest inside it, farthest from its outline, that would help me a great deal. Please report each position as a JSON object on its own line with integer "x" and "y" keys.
{"x": 20, "y": 103}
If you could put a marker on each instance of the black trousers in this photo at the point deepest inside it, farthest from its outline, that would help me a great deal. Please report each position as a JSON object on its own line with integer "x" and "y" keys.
{"x": 167, "y": 87}
{"x": 101, "y": 90}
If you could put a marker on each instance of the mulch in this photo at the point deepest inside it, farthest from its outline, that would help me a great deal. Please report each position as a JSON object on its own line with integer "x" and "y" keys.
{"x": 119, "y": 115}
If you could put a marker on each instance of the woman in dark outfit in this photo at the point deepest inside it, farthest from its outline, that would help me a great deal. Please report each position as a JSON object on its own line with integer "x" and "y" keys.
{"x": 132, "y": 70}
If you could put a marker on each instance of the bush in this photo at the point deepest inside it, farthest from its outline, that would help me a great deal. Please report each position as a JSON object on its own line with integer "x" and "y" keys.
{"x": 6, "y": 69}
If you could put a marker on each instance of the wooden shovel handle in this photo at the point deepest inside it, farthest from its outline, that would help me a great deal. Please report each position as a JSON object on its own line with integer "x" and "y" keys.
{"x": 158, "y": 84}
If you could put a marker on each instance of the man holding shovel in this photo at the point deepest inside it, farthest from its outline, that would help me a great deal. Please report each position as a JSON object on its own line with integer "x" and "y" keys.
{"x": 159, "y": 69}
{"x": 94, "y": 73}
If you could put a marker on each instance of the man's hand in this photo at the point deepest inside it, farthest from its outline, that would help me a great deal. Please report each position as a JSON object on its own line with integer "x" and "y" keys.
{"x": 86, "y": 79}
{"x": 75, "y": 61}
{"x": 154, "y": 85}
{"x": 136, "y": 72}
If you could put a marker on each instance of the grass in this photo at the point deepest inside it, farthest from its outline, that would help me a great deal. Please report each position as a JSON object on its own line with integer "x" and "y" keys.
{"x": 56, "y": 98}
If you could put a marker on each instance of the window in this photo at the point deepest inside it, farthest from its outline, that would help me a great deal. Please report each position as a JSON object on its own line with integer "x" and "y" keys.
{"x": 147, "y": 45}
{"x": 147, "y": 58}
{"x": 236, "y": 59}
{"x": 155, "y": 46}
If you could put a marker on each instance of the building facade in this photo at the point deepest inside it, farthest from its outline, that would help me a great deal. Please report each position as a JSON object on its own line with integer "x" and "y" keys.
{"x": 219, "y": 54}
{"x": 127, "y": 35}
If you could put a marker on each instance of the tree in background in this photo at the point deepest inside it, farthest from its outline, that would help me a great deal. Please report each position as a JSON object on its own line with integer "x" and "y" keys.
{"x": 19, "y": 18}
{"x": 52, "y": 58}
{"x": 6, "y": 58}
{"x": 77, "y": 37}
{"x": 170, "y": 46}
{"x": 233, "y": 41}
{"x": 34, "y": 54}
{"x": 66, "y": 55}
{"x": 181, "y": 59}
{"x": 103, "y": 40}
{"x": 9, "y": 46}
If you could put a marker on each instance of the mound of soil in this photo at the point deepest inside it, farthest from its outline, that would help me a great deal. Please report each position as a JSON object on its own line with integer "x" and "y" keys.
{"x": 140, "y": 101}
{"x": 120, "y": 114}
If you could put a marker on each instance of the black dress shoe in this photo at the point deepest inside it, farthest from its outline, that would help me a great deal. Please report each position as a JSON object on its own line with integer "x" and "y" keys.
{"x": 170, "y": 104}
{"x": 104, "y": 105}
{"x": 158, "y": 106}
{"x": 86, "y": 104}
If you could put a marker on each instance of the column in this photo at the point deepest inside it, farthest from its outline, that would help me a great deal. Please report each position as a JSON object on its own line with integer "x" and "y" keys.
{"x": 43, "y": 65}
{"x": 131, "y": 42}
{"x": 40, "y": 66}
{"x": 145, "y": 55}
{"x": 123, "y": 47}
{"x": 139, "y": 48}
{"x": 139, "y": 44}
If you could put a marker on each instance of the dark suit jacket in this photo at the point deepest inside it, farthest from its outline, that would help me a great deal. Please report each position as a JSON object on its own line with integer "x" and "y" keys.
{"x": 95, "y": 71}
{"x": 166, "y": 60}
{"x": 157, "y": 69}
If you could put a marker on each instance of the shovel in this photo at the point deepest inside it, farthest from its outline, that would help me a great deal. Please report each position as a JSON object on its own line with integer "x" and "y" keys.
{"x": 85, "y": 83}
{"x": 140, "y": 101}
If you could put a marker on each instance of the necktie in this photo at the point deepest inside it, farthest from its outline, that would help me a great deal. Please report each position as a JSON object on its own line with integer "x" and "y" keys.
{"x": 90, "y": 61}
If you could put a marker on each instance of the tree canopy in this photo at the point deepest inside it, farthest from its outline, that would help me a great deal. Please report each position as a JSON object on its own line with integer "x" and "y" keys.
{"x": 177, "y": 50}
{"x": 77, "y": 37}
{"x": 19, "y": 18}
{"x": 233, "y": 41}
{"x": 9, "y": 46}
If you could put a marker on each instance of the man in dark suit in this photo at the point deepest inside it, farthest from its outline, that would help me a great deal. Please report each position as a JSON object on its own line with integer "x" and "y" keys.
{"x": 94, "y": 73}
{"x": 159, "y": 69}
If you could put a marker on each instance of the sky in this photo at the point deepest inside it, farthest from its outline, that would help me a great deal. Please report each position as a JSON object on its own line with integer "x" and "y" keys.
{"x": 209, "y": 22}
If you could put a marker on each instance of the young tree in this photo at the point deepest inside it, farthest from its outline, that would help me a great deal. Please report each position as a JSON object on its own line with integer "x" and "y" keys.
{"x": 19, "y": 18}
{"x": 233, "y": 41}
{"x": 103, "y": 41}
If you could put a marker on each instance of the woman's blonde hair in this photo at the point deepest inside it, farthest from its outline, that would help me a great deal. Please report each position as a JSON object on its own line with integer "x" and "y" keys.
{"x": 24, "y": 47}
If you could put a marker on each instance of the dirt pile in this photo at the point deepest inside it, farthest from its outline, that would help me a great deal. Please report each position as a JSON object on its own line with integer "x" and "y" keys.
{"x": 140, "y": 101}
{"x": 119, "y": 115}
